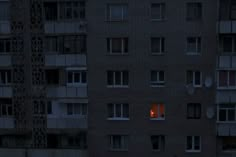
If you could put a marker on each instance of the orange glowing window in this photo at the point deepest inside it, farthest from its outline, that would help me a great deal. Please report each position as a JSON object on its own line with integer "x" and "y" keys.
{"x": 157, "y": 111}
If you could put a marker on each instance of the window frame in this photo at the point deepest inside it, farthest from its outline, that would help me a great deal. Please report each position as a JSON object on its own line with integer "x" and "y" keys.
{"x": 158, "y": 82}
{"x": 161, "y": 142}
{"x": 124, "y": 48}
{"x": 124, "y": 143}
{"x": 114, "y": 107}
{"x": 74, "y": 111}
{"x": 161, "y": 43}
{"x": 197, "y": 108}
{"x": 114, "y": 82}
{"x": 193, "y": 82}
{"x": 162, "y": 11}
{"x": 109, "y": 12}
{"x": 80, "y": 82}
{"x": 228, "y": 86}
{"x": 193, "y": 145}
{"x": 159, "y": 117}
{"x": 227, "y": 108}
{"x": 196, "y": 7}
{"x": 198, "y": 49}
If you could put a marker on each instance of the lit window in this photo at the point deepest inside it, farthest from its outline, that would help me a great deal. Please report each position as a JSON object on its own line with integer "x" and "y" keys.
{"x": 193, "y": 144}
{"x": 157, "y": 111}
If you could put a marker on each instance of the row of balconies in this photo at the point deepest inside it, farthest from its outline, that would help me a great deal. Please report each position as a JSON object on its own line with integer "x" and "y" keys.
{"x": 52, "y": 27}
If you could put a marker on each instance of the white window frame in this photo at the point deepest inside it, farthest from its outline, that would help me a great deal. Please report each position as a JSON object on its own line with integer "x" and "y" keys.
{"x": 123, "y": 138}
{"x": 122, "y": 46}
{"x": 227, "y": 112}
{"x": 8, "y": 82}
{"x": 162, "y": 13}
{"x": 123, "y": 5}
{"x": 73, "y": 83}
{"x": 228, "y": 79}
{"x": 197, "y": 51}
{"x": 74, "y": 114}
{"x": 122, "y": 81}
{"x": 158, "y": 112}
{"x": 193, "y": 150}
{"x": 115, "y": 117}
{"x": 161, "y": 42}
{"x": 194, "y": 78}
{"x": 158, "y": 82}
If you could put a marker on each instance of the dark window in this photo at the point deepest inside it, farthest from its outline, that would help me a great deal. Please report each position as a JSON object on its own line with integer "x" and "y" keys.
{"x": 50, "y": 11}
{"x": 158, "y": 11}
{"x": 158, "y": 45}
{"x": 194, "y": 11}
{"x": 49, "y": 107}
{"x": 193, "y": 111}
{"x": 158, "y": 142}
{"x": 52, "y": 76}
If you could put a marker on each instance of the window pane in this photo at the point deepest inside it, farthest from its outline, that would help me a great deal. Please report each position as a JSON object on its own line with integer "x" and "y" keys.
{"x": 197, "y": 78}
{"x": 116, "y": 142}
{"x": 110, "y": 78}
{"x": 197, "y": 143}
{"x": 69, "y": 109}
{"x": 116, "y": 45}
{"x": 227, "y": 44}
{"x": 223, "y": 75}
{"x": 232, "y": 78}
{"x": 153, "y": 76}
{"x": 77, "y": 77}
{"x": 156, "y": 11}
{"x": 189, "y": 142}
{"x": 77, "y": 108}
{"x": 110, "y": 110}
{"x": 118, "y": 110}
{"x": 155, "y": 45}
{"x": 153, "y": 111}
{"x": 125, "y": 110}
{"x": 231, "y": 115}
{"x": 155, "y": 142}
{"x": 117, "y": 78}
{"x": 161, "y": 76}
{"x": 189, "y": 77}
{"x": 84, "y": 109}
{"x": 191, "y": 45}
{"x": 84, "y": 77}
{"x": 125, "y": 78}
{"x": 162, "y": 110}
{"x": 70, "y": 76}
{"x": 222, "y": 115}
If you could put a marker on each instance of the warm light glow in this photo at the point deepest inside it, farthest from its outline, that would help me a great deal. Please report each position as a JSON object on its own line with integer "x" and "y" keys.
{"x": 157, "y": 111}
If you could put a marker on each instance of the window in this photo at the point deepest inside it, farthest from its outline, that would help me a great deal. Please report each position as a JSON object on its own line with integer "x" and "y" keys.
{"x": 233, "y": 10}
{"x": 5, "y": 77}
{"x": 117, "y": 45}
{"x": 76, "y": 78}
{"x": 227, "y": 79}
{"x": 194, "y": 45}
{"x": 158, "y": 45}
{"x": 193, "y": 144}
{"x": 49, "y": 107}
{"x": 158, "y": 142}
{"x": 6, "y": 107}
{"x": 157, "y": 78}
{"x": 77, "y": 109}
{"x": 117, "y": 78}
{"x": 69, "y": 44}
{"x": 193, "y": 111}
{"x": 157, "y": 111}
{"x": 52, "y": 76}
{"x": 118, "y": 142}
{"x": 51, "y": 10}
{"x": 70, "y": 10}
{"x": 228, "y": 44}
{"x": 226, "y": 112}
{"x": 158, "y": 11}
{"x": 78, "y": 141}
{"x": 5, "y": 45}
{"x": 117, "y": 12}
{"x": 4, "y": 10}
{"x": 194, "y": 11}
{"x": 229, "y": 143}
{"x": 194, "y": 78}
{"x": 118, "y": 111}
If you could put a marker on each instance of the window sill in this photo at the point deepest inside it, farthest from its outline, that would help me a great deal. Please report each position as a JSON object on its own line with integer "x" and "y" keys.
{"x": 74, "y": 116}
{"x": 118, "y": 150}
{"x": 118, "y": 54}
{"x": 117, "y": 21}
{"x": 192, "y": 151}
{"x": 157, "y": 54}
{"x": 226, "y": 122}
{"x": 76, "y": 85}
{"x": 117, "y": 86}
{"x": 157, "y": 119}
{"x": 193, "y": 54}
{"x": 118, "y": 119}
{"x": 226, "y": 88}
{"x": 158, "y": 20}
{"x": 157, "y": 86}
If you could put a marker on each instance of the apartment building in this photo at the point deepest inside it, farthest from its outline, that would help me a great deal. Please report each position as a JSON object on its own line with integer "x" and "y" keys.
{"x": 151, "y": 78}
{"x": 156, "y": 77}
{"x": 226, "y": 68}
{"x": 43, "y": 71}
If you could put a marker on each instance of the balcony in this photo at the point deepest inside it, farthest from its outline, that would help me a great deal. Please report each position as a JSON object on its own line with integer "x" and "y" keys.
{"x": 43, "y": 152}
{"x": 67, "y": 122}
{"x": 7, "y": 123}
{"x": 65, "y": 60}
{"x": 5, "y": 91}
{"x": 5, "y": 60}
{"x": 5, "y": 27}
{"x": 226, "y": 128}
{"x": 65, "y": 27}
{"x": 67, "y": 92}
{"x": 226, "y": 62}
